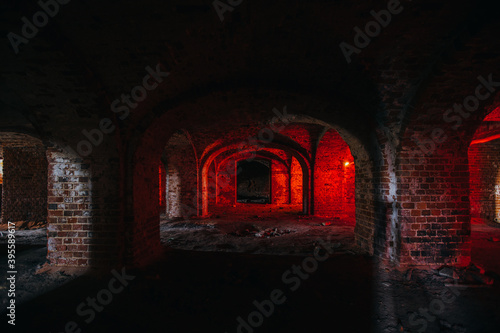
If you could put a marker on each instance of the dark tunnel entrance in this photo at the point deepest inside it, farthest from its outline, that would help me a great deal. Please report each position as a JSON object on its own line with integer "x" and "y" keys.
{"x": 253, "y": 182}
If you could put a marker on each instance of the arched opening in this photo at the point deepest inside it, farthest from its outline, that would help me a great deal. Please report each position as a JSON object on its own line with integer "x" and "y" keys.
{"x": 47, "y": 194}
{"x": 216, "y": 145}
{"x": 268, "y": 182}
{"x": 289, "y": 177}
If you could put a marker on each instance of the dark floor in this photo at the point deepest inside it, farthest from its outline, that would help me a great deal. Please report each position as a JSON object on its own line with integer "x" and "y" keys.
{"x": 206, "y": 291}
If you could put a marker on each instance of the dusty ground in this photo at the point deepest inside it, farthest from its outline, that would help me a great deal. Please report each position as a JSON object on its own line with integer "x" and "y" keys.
{"x": 213, "y": 270}
{"x": 258, "y": 229}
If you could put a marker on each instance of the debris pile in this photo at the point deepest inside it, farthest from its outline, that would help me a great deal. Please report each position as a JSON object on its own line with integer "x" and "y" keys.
{"x": 266, "y": 233}
{"x": 272, "y": 232}
{"x": 467, "y": 276}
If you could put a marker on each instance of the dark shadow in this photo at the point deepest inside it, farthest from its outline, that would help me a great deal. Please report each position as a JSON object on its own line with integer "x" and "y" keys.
{"x": 206, "y": 292}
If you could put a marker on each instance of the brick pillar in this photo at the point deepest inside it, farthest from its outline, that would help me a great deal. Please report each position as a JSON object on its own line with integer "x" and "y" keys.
{"x": 212, "y": 184}
{"x": 173, "y": 204}
{"x": 296, "y": 182}
{"x": 434, "y": 213}
{"x": 182, "y": 184}
{"x": 226, "y": 183}
{"x": 69, "y": 210}
{"x": 279, "y": 183}
{"x": 83, "y": 211}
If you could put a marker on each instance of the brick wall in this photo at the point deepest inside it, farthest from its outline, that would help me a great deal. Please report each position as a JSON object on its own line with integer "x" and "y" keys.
{"x": 435, "y": 216}
{"x": 333, "y": 179}
{"x": 173, "y": 192}
{"x": 226, "y": 183}
{"x": 279, "y": 183}
{"x": 69, "y": 210}
{"x": 24, "y": 193}
{"x": 484, "y": 166}
{"x": 349, "y": 193}
{"x": 83, "y": 210}
{"x": 296, "y": 181}
{"x": 212, "y": 184}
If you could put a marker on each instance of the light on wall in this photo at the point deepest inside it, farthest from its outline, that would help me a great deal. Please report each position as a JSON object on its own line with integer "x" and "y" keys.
{"x": 346, "y": 164}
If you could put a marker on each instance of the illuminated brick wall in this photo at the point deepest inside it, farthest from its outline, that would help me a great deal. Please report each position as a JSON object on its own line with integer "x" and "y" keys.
{"x": 296, "y": 182}
{"x": 334, "y": 178}
{"x": 279, "y": 183}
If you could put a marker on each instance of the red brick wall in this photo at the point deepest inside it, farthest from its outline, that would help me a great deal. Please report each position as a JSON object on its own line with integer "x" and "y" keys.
{"x": 349, "y": 186}
{"x": 226, "y": 183}
{"x": 484, "y": 168}
{"x": 333, "y": 179}
{"x": 24, "y": 194}
{"x": 300, "y": 134}
{"x": 296, "y": 181}
{"x": 279, "y": 183}
{"x": 212, "y": 185}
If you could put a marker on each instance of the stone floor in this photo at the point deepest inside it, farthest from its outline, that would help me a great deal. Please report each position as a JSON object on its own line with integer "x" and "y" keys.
{"x": 266, "y": 230}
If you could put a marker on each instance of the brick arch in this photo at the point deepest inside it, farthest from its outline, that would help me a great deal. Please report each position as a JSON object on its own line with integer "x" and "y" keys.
{"x": 281, "y": 185}
{"x": 259, "y": 153}
{"x": 240, "y": 149}
{"x": 370, "y": 206}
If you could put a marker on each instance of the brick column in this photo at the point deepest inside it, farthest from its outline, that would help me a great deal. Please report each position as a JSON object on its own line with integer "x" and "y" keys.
{"x": 69, "y": 209}
{"x": 435, "y": 214}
